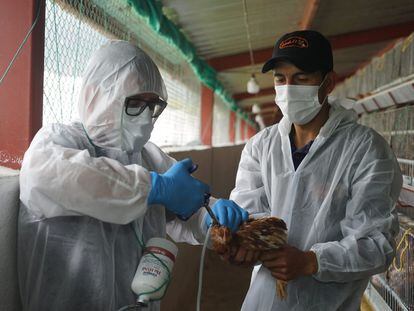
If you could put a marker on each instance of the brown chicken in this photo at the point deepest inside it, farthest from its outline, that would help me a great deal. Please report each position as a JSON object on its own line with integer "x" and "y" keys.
{"x": 264, "y": 234}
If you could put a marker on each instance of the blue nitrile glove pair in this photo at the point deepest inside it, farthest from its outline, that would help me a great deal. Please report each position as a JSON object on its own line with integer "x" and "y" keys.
{"x": 229, "y": 214}
{"x": 177, "y": 190}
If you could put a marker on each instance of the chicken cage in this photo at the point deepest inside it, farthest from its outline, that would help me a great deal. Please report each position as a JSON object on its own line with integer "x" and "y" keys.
{"x": 394, "y": 289}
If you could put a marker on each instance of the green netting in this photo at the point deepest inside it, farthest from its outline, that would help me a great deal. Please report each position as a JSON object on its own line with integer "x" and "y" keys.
{"x": 151, "y": 11}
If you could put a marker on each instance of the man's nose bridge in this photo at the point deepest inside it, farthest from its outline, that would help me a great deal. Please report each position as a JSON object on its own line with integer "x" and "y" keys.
{"x": 289, "y": 80}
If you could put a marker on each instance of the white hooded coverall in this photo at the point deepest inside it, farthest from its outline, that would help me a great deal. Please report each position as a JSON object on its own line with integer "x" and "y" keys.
{"x": 339, "y": 203}
{"x": 84, "y": 186}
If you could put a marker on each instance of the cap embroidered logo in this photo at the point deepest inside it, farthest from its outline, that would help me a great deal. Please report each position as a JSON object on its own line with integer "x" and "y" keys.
{"x": 294, "y": 42}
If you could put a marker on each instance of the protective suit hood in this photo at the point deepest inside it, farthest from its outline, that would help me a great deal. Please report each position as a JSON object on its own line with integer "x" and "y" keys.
{"x": 115, "y": 71}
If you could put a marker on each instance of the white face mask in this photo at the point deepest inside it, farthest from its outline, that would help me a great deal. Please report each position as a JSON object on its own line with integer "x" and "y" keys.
{"x": 136, "y": 130}
{"x": 299, "y": 103}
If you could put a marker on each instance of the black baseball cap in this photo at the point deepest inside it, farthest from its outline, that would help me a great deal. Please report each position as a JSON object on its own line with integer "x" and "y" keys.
{"x": 308, "y": 50}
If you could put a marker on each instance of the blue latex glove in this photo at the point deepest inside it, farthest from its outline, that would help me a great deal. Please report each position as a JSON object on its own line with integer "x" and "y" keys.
{"x": 229, "y": 214}
{"x": 177, "y": 190}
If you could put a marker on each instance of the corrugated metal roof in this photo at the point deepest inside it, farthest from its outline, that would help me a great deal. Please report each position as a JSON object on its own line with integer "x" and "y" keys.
{"x": 217, "y": 27}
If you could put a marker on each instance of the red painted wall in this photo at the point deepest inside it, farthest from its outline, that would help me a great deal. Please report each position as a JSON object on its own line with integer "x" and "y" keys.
{"x": 207, "y": 101}
{"x": 251, "y": 131}
{"x": 242, "y": 130}
{"x": 232, "y": 127}
{"x": 21, "y": 92}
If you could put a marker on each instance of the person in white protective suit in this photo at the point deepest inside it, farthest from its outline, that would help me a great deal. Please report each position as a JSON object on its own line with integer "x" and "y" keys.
{"x": 334, "y": 182}
{"x": 90, "y": 189}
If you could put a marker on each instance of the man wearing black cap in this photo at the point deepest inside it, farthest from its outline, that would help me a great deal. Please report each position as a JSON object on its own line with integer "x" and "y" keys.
{"x": 334, "y": 182}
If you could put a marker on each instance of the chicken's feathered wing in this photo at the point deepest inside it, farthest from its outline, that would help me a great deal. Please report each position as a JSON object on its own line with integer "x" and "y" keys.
{"x": 264, "y": 234}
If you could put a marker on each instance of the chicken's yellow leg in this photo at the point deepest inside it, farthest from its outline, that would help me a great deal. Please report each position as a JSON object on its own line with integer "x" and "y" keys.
{"x": 281, "y": 289}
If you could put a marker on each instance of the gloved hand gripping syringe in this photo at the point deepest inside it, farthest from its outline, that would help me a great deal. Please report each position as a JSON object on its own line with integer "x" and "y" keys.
{"x": 206, "y": 200}
{"x": 206, "y": 204}
{"x": 154, "y": 271}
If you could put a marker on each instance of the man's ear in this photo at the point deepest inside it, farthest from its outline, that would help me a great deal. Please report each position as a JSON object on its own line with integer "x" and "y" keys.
{"x": 331, "y": 78}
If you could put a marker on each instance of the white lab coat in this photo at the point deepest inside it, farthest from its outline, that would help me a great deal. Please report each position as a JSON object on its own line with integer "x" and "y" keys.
{"x": 339, "y": 203}
{"x": 82, "y": 195}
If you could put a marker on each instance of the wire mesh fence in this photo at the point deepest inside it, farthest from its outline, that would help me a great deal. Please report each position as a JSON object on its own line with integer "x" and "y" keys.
{"x": 180, "y": 123}
{"x": 69, "y": 42}
{"x": 75, "y": 28}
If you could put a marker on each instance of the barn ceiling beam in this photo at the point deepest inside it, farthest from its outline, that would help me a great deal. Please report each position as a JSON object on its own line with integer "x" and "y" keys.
{"x": 308, "y": 16}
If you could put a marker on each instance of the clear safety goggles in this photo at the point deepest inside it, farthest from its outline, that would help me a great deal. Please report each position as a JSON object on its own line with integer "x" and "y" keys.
{"x": 134, "y": 106}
